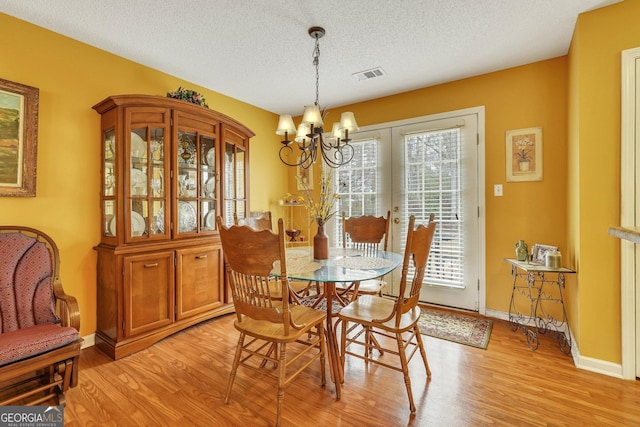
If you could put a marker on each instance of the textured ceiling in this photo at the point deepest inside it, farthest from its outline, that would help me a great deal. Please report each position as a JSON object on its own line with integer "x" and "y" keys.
{"x": 258, "y": 51}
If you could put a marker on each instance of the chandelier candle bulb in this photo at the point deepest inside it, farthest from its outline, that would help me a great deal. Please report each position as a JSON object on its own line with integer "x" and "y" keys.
{"x": 312, "y": 116}
{"x": 348, "y": 122}
{"x": 336, "y": 131}
{"x": 285, "y": 125}
{"x": 303, "y": 131}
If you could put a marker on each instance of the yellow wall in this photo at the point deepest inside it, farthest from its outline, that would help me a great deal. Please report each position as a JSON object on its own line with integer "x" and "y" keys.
{"x": 72, "y": 77}
{"x": 594, "y": 139}
{"x": 522, "y": 97}
{"x": 575, "y": 99}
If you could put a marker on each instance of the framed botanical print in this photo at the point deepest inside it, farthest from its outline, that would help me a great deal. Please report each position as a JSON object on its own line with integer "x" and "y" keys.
{"x": 18, "y": 138}
{"x": 305, "y": 177}
{"x": 524, "y": 155}
{"x": 539, "y": 252}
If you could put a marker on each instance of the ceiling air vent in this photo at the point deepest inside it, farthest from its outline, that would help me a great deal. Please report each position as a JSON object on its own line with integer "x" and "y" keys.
{"x": 369, "y": 74}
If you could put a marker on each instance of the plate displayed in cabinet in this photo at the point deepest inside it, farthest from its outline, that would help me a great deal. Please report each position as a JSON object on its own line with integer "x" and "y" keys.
{"x": 112, "y": 226}
{"x": 138, "y": 146}
{"x": 138, "y": 226}
{"x": 138, "y": 182}
{"x": 209, "y": 187}
{"x": 211, "y": 157}
{"x": 187, "y": 217}
{"x": 210, "y": 220}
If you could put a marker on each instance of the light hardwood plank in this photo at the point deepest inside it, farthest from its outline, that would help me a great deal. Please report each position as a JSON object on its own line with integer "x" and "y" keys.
{"x": 180, "y": 381}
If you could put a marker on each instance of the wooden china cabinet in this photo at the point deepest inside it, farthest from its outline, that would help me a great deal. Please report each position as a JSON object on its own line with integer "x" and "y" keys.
{"x": 168, "y": 169}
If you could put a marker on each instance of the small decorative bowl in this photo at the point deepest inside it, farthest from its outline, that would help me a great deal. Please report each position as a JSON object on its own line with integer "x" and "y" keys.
{"x": 293, "y": 233}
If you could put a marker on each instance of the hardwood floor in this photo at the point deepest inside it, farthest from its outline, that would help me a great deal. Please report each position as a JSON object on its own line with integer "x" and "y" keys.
{"x": 181, "y": 380}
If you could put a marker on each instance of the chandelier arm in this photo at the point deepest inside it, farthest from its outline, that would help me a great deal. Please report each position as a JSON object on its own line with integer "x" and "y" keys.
{"x": 307, "y": 157}
{"x": 336, "y": 156}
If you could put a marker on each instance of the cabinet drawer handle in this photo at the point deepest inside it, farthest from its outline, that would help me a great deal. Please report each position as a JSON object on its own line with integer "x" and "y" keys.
{"x": 155, "y": 264}
{"x": 201, "y": 256}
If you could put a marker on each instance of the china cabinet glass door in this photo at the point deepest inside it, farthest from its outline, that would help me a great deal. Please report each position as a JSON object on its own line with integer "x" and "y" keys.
{"x": 147, "y": 183}
{"x": 235, "y": 198}
{"x": 109, "y": 181}
{"x": 196, "y": 182}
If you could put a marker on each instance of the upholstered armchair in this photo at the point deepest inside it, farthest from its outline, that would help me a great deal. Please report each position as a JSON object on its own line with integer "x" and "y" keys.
{"x": 39, "y": 323}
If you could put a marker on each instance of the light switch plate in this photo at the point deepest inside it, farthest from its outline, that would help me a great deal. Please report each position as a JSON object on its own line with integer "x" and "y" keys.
{"x": 497, "y": 190}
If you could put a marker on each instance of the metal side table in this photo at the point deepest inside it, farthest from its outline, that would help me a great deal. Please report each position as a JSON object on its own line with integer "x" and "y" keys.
{"x": 536, "y": 289}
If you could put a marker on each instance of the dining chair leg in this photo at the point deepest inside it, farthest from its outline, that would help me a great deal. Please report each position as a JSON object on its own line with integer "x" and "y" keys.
{"x": 423, "y": 353}
{"x": 274, "y": 347}
{"x": 323, "y": 349}
{"x": 234, "y": 367}
{"x": 405, "y": 370}
{"x": 282, "y": 365}
{"x": 343, "y": 340}
{"x": 368, "y": 351}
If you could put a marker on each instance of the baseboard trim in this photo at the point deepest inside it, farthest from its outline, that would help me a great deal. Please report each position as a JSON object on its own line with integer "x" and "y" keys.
{"x": 89, "y": 341}
{"x": 581, "y": 362}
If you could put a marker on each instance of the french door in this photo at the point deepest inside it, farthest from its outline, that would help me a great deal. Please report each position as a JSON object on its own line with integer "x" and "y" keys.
{"x": 424, "y": 166}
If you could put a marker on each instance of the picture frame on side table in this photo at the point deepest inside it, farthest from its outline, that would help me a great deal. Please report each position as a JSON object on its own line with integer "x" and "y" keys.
{"x": 18, "y": 139}
{"x": 539, "y": 252}
{"x": 524, "y": 154}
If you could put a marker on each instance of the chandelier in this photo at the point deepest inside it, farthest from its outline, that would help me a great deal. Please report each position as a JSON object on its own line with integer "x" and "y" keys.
{"x": 303, "y": 150}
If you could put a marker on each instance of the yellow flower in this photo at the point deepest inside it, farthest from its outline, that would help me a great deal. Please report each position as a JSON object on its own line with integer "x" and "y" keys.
{"x": 323, "y": 210}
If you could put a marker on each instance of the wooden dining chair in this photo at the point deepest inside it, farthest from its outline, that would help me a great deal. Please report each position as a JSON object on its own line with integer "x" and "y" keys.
{"x": 271, "y": 330}
{"x": 387, "y": 318}
{"x": 369, "y": 234}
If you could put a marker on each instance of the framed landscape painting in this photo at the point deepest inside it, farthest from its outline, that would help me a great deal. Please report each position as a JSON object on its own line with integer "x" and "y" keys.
{"x": 18, "y": 139}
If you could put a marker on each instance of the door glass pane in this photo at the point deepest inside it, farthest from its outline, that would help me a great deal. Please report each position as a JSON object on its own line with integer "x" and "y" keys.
{"x": 358, "y": 185}
{"x": 434, "y": 185}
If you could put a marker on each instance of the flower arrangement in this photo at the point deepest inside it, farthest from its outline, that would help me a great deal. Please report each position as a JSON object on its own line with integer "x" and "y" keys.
{"x": 189, "y": 96}
{"x": 324, "y": 209}
{"x": 522, "y": 153}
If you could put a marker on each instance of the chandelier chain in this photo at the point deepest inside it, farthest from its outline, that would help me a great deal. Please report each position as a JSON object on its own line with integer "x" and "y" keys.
{"x": 316, "y": 62}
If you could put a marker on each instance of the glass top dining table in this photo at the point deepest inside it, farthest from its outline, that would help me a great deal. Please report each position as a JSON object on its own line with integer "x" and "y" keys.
{"x": 343, "y": 265}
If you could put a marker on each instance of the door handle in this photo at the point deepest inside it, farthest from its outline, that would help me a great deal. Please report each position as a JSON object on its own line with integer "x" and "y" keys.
{"x": 396, "y": 220}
